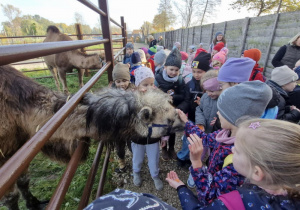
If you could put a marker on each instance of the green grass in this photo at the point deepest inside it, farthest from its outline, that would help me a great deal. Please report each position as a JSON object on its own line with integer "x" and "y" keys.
{"x": 46, "y": 174}
{"x": 101, "y": 46}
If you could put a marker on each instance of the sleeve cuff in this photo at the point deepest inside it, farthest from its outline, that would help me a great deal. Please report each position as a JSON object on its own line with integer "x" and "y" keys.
{"x": 181, "y": 186}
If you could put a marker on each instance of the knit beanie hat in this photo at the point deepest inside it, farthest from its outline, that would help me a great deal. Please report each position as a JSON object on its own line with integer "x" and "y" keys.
{"x": 202, "y": 61}
{"x": 246, "y": 99}
{"x": 218, "y": 33}
{"x": 283, "y": 75}
{"x": 145, "y": 50}
{"x": 193, "y": 48}
{"x": 160, "y": 57}
{"x": 129, "y": 45}
{"x": 141, "y": 74}
{"x": 177, "y": 44}
{"x": 142, "y": 55}
{"x": 135, "y": 58}
{"x": 184, "y": 55}
{"x": 174, "y": 58}
{"x": 219, "y": 46}
{"x": 121, "y": 71}
{"x": 152, "y": 50}
{"x": 254, "y": 53}
{"x": 159, "y": 48}
{"x": 236, "y": 70}
{"x": 199, "y": 51}
{"x": 220, "y": 56}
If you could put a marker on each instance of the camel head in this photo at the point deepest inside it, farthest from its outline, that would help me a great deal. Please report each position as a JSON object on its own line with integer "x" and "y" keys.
{"x": 118, "y": 114}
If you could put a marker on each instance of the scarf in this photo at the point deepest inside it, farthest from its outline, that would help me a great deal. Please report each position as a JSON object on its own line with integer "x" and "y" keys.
{"x": 223, "y": 137}
{"x": 167, "y": 78}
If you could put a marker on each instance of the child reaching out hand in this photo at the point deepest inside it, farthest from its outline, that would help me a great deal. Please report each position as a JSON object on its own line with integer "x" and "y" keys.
{"x": 266, "y": 152}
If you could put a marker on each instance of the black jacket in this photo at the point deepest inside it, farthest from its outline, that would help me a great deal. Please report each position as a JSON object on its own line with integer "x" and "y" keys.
{"x": 191, "y": 91}
{"x": 177, "y": 86}
{"x": 284, "y": 111}
{"x": 295, "y": 97}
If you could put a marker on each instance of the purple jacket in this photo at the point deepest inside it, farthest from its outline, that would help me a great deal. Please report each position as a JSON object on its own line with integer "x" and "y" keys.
{"x": 213, "y": 180}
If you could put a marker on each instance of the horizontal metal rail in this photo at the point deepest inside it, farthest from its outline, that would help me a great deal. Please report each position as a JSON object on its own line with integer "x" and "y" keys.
{"x": 15, "y": 166}
{"x": 37, "y": 36}
{"x": 99, "y": 11}
{"x": 25, "y": 63}
{"x": 20, "y": 52}
{"x": 119, "y": 53}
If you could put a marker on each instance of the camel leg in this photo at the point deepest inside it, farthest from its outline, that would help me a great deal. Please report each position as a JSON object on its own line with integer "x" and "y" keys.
{"x": 31, "y": 202}
{"x": 54, "y": 73}
{"x": 11, "y": 198}
{"x": 80, "y": 77}
{"x": 63, "y": 78}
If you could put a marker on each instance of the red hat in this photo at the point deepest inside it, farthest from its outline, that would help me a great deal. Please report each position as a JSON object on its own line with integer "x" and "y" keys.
{"x": 199, "y": 51}
{"x": 219, "y": 46}
{"x": 254, "y": 53}
{"x": 184, "y": 55}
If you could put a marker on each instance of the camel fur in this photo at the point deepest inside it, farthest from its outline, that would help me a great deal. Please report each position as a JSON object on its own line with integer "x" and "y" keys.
{"x": 61, "y": 63}
{"x": 109, "y": 115}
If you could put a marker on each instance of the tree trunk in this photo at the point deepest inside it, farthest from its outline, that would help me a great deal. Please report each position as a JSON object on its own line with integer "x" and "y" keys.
{"x": 204, "y": 12}
{"x": 279, "y": 6}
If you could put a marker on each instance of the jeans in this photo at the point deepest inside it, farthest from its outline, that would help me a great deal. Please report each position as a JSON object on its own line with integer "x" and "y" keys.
{"x": 184, "y": 153}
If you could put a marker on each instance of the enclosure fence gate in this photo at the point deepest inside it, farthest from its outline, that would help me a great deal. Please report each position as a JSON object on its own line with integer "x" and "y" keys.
{"x": 14, "y": 167}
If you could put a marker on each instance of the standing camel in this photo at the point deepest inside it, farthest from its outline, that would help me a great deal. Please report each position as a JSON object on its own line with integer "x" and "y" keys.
{"x": 110, "y": 115}
{"x": 61, "y": 63}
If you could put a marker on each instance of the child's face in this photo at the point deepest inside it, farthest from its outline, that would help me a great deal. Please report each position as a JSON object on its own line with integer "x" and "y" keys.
{"x": 129, "y": 51}
{"x": 240, "y": 161}
{"x": 224, "y": 123}
{"x": 122, "y": 83}
{"x": 145, "y": 84}
{"x": 172, "y": 71}
{"x": 213, "y": 94}
{"x": 225, "y": 85}
{"x": 219, "y": 37}
{"x": 198, "y": 73}
{"x": 190, "y": 50}
{"x": 289, "y": 87}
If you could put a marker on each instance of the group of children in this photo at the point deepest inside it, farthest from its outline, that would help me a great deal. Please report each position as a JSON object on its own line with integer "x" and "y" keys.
{"x": 226, "y": 140}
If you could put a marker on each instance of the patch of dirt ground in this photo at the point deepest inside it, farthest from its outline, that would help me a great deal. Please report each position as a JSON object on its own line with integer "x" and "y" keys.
{"x": 168, "y": 194}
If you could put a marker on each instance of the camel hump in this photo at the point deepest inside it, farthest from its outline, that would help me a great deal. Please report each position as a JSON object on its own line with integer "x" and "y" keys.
{"x": 53, "y": 29}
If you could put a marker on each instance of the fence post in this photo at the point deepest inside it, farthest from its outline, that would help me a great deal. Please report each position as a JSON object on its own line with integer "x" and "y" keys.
{"x": 123, "y": 34}
{"x": 247, "y": 20}
{"x": 212, "y": 32}
{"x": 187, "y": 39}
{"x": 225, "y": 25}
{"x": 80, "y": 37}
{"x": 200, "y": 34}
{"x": 193, "y": 35}
{"x": 105, "y": 25}
{"x": 271, "y": 42}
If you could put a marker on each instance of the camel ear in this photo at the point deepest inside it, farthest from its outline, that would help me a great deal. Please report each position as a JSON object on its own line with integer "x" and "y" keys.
{"x": 145, "y": 114}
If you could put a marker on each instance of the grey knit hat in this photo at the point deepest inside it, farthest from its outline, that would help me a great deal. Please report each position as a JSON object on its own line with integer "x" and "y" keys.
{"x": 174, "y": 58}
{"x": 283, "y": 75}
{"x": 129, "y": 45}
{"x": 245, "y": 99}
{"x": 160, "y": 57}
{"x": 121, "y": 71}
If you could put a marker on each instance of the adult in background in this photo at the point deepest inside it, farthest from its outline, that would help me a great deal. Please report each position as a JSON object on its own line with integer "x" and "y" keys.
{"x": 288, "y": 54}
{"x": 152, "y": 41}
{"x": 219, "y": 37}
{"x": 161, "y": 41}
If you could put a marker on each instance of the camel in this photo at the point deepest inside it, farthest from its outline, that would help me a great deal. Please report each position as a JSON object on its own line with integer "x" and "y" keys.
{"x": 108, "y": 115}
{"x": 61, "y": 63}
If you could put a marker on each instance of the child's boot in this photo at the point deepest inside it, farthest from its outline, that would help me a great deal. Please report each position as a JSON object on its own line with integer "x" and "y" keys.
{"x": 172, "y": 154}
{"x": 158, "y": 183}
{"x": 165, "y": 155}
{"x": 137, "y": 181}
{"x": 122, "y": 166}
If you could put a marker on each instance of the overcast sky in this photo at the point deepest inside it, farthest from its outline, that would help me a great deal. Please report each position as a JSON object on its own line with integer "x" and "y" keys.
{"x": 135, "y": 12}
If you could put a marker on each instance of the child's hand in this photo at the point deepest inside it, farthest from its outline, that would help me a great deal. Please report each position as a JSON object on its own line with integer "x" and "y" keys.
{"x": 213, "y": 121}
{"x": 164, "y": 140}
{"x": 196, "y": 149}
{"x": 182, "y": 116}
{"x": 173, "y": 180}
{"x": 198, "y": 100}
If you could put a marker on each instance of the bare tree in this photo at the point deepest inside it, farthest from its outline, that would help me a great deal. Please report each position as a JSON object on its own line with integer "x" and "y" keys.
{"x": 13, "y": 15}
{"x": 146, "y": 29}
{"x": 78, "y": 18}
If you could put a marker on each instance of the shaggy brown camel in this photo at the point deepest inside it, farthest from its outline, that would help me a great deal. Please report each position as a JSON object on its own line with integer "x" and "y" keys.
{"x": 109, "y": 115}
{"x": 64, "y": 62}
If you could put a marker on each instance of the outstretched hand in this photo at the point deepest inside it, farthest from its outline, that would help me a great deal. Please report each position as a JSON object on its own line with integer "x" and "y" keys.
{"x": 173, "y": 180}
{"x": 182, "y": 116}
{"x": 196, "y": 150}
{"x": 212, "y": 123}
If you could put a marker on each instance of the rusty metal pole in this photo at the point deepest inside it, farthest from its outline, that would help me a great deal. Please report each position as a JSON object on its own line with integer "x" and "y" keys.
{"x": 80, "y": 37}
{"x": 123, "y": 33}
{"x": 105, "y": 25}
